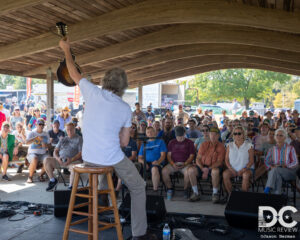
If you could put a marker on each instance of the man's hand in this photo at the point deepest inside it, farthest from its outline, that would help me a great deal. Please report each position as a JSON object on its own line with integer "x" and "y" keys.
{"x": 64, "y": 45}
{"x": 233, "y": 172}
{"x": 180, "y": 165}
{"x": 69, "y": 160}
{"x": 240, "y": 173}
{"x": 155, "y": 163}
{"x": 175, "y": 166}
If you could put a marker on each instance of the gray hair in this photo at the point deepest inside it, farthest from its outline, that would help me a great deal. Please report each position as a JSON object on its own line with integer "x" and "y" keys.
{"x": 283, "y": 131}
{"x": 115, "y": 80}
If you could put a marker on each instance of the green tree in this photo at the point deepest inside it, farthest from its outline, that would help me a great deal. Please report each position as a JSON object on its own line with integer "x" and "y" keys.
{"x": 242, "y": 84}
{"x": 16, "y": 81}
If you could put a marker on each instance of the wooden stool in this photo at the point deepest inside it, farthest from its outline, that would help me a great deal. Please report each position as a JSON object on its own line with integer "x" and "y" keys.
{"x": 94, "y": 209}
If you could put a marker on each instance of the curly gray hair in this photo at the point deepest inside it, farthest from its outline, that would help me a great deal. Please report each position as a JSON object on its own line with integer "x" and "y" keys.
{"x": 115, "y": 80}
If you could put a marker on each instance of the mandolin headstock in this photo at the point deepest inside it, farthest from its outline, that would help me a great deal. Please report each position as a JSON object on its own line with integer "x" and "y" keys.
{"x": 62, "y": 29}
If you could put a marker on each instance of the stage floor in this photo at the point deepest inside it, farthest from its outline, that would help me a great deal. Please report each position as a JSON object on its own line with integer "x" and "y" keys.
{"x": 49, "y": 227}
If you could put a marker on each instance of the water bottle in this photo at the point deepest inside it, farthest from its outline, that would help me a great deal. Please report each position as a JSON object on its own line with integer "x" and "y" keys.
{"x": 166, "y": 232}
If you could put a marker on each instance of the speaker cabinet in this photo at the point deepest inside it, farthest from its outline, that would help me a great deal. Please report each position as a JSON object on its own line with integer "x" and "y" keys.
{"x": 155, "y": 207}
{"x": 242, "y": 207}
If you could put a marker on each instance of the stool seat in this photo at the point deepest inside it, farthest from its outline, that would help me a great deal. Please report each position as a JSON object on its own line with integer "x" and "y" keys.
{"x": 82, "y": 168}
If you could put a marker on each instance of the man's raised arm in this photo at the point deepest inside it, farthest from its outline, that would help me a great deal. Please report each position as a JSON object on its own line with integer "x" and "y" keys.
{"x": 75, "y": 75}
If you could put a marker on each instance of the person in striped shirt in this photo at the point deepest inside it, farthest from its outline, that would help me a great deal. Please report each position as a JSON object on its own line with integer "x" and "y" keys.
{"x": 282, "y": 163}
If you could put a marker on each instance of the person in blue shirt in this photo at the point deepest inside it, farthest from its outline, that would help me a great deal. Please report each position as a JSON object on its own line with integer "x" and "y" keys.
{"x": 155, "y": 154}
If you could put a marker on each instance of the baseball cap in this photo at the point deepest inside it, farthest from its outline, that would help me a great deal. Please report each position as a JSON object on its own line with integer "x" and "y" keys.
{"x": 40, "y": 121}
{"x": 214, "y": 129}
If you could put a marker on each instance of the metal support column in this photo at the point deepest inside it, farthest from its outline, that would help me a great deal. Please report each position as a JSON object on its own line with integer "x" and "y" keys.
{"x": 140, "y": 92}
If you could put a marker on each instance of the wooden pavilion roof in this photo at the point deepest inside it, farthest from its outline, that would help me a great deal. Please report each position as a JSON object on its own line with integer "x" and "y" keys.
{"x": 153, "y": 40}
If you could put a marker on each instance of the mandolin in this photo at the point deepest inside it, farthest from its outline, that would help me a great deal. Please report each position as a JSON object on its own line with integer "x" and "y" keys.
{"x": 62, "y": 72}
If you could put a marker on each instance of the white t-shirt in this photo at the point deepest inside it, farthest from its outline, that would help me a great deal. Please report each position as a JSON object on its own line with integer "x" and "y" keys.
{"x": 239, "y": 157}
{"x": 104, "y": 115}
{"x": 36, "y": 146}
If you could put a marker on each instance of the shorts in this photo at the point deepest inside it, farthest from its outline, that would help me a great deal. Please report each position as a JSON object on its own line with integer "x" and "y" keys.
{"x": 173, "y": 170}
{"x": 40, "y": 157}
{"x": 2, "y": 155}
{"x": 209, "y": 173}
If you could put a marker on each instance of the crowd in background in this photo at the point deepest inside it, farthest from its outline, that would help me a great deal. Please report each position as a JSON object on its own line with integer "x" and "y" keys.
{"x": 199, "y": 146}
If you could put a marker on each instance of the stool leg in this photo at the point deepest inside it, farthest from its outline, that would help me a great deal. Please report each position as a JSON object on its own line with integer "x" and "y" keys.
{"x": 95, "y": 207}
{"x": 90, "y": 221}
{"x": 71, "y": 207}
{"x": 114, "y": 203}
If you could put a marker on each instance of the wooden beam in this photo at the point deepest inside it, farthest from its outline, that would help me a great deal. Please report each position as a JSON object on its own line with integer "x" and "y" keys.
{"x": 157, "y": 12}
{"x": 193, "y": 50}
{"x": 207, "y": 68}
{"x": 187, "y": 63}
{"x": 188, "y": 34}
{"x": 8, "y": 6}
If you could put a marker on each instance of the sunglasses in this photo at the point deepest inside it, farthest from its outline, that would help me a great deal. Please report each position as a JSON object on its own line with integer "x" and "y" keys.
{"x": 41, "y": 124}
{"x": 205, "y": 130}
{"x": 237, "y": 134}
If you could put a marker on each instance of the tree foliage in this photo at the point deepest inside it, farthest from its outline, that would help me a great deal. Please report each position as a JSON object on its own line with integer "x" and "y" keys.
{"x": 243, "y": 84}
{"x": 16, "y": 81}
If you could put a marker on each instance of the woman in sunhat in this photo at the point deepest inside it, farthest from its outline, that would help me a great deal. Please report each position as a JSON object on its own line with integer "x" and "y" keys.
{"x": 64, "y": 118}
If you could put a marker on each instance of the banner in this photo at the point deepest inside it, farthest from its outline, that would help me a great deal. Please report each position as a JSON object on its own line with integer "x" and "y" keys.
{"x": 76, "y": 97}
{"x": 28, "y": 87}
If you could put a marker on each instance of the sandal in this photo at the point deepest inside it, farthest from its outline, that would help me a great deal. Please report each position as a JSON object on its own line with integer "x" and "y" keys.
{"x": 41, "y": 179}
{"x": 29, "y": 180}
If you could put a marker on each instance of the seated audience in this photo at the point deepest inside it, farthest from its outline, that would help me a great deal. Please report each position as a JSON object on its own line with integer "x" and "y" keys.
{"x": 20, "y": 140}
{"x": 261, "y": 138}
{"x": 37, "y": 151}
{"x": 209, "y": 161}
{"x": 137, "y": 114}
{"x": 155, "y": 154}
{"x": 7, "y": 149}
{"x": 156, "y": 126}
{"x": 269, "y": 118}
{"x": 64, "y": 118}
{"x": 181, "y": 153}
{"x": 223, "y": 118}
{"x": 36, "y": 115}
{"x": 77, "y": 128}
{"x": 150, "y": 117}
{"x": 55, "y": 133}
{"x": 204, "y": 138}
{"x": 193, "y": 132}
{"x": 182, "y": 115}
{"x": 168, "y": 133}
{"x": 281, "y": 162}
{"x": 296, "y": 119}
{"x": 239, "y": 160}
{"x": 228, "y": 133}
{"x": 67, "y": 153}
{"x": 16, "y": 117}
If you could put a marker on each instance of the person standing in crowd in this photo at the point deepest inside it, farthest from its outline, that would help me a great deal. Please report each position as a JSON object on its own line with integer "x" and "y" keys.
{"x": 66, "y": 153}
{"x": 77, "y": 129}
{"x": 64, "y": 118}
{"x": 155, "y": 154}
{"x": 261, "y": 138}
{"x": 137, "y": 114}
{"x": 227, "y": 135}
{"x": 281, "y": 121}
{"x": 106, "y": 151}
{"x": 181, "y": 153}
{"x": 181, "y": 114}
{"x": 37, "y": 151}
{"x": 7, "y": 149}
{"x": 235, "y": 107}
{"x": 281, "y": 162}
{"x": 209, "y": 161}
{"x": 2, "y": 115}
{"x": 36, "y": 115}
{"x": 150, "y": 117}
{"x": 28, "y": 115}
{"x": 16, "y": 117}
{"x": 239, "y": 160}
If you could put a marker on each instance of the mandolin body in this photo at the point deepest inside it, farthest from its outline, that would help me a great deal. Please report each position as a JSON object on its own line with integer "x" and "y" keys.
{"x": 63, "y": 75}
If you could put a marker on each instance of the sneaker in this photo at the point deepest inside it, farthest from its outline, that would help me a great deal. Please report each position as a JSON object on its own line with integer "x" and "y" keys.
{"x": 215, "y": 198}
{"x": 51, "y": 185}
{"x": 20, "y": 168}
{"x": 6, "y": 178}
{"x": 194, "y": 197}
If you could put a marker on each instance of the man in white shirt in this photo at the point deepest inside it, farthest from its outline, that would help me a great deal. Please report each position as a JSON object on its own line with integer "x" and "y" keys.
{"x": 103, "y": 105}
